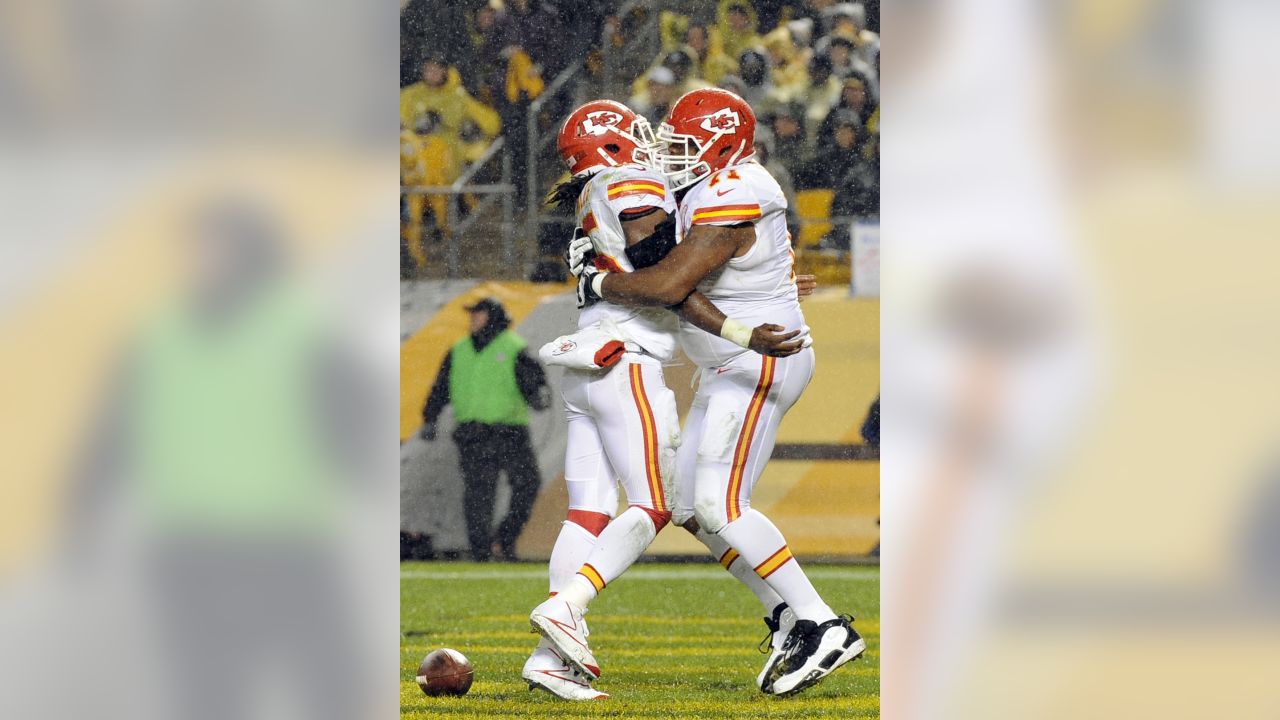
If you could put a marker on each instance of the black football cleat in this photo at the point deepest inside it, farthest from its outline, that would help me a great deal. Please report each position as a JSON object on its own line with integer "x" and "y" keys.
{"x": 813, "y": 651}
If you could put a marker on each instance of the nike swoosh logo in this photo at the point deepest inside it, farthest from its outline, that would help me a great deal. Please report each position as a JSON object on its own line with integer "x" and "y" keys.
{"x": 568, "y": 629}
{"x": 718, "y": 371}
{"x": 556, "y": 674}
{"x": 720, "y": 193}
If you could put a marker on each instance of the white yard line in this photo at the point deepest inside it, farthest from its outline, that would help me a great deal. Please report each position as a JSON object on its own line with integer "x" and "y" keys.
{"x": 856, "y": 574}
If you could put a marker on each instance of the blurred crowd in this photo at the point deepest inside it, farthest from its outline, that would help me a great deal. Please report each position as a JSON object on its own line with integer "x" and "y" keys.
{"x": 471, "y": 70}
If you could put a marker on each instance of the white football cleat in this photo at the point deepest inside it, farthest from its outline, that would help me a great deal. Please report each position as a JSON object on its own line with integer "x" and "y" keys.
{"x": 812, "y": 651}
{"x": 546, "y": 670}
{"x": 779, "y": 628}
{"x": 560, "y": 622}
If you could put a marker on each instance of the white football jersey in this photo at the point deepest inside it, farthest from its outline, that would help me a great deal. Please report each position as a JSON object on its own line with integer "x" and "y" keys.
{"x": 757, "y": 287}
{"x": 607, "y": 194}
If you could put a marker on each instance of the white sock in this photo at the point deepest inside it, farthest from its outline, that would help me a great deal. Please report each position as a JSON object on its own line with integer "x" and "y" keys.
{"x": 621, "y": 543}
{"x": 578, "y": 591}
{"x": 765, "y": 550}
{"x": 734, "y": 563}
{"x": 573, "y": 544}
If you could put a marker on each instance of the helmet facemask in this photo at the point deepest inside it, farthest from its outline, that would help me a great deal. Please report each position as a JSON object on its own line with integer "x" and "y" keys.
{"x": 646, "y": 150}
{"x": 706, "y": 130}
{"x": 679, "y": 157}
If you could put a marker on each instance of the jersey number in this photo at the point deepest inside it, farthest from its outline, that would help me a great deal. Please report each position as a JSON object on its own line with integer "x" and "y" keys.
{"x": 726, "y": 174}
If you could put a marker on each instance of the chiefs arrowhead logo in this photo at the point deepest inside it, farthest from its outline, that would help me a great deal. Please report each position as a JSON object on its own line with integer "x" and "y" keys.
{"x": 723, "y": 121}
{"x": 566, "y": 346}
{"x": 599, "y": 122}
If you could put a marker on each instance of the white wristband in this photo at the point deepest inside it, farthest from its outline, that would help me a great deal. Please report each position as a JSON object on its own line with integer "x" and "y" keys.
{"x": 597, "y": 285}
{"x": 736, "y": 333}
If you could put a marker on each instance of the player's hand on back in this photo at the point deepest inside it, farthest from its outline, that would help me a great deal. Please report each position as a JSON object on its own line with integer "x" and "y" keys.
{"x": 774, "y": 340}
{"x": 805, "y": 285}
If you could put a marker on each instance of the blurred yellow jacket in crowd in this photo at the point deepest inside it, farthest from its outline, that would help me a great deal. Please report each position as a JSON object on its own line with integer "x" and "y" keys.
{"x": 451, "y": 103}
{"x": 426, "y": 159}
{"x": 790, "y": 70}
{"x": 710, "y": 63}
{"x": 736, "y": 40}
{"x": 522, "y": 77}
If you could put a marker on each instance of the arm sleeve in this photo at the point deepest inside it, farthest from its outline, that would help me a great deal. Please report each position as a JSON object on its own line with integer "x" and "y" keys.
{"x": 439, "y": 396}
{"x": 531, "y": 379}
{"x": 650, "y": 250}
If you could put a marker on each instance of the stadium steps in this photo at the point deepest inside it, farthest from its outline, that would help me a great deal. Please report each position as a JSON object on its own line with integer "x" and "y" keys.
{"x": 814, "y": 210}
{"x": 813, "y": 207}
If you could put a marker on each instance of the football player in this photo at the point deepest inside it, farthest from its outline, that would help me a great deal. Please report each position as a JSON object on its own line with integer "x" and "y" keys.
{"x": 622, "y": 422}
{"x": 735, "y": 250}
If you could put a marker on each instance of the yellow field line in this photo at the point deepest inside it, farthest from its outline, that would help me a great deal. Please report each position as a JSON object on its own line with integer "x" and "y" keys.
{"x": 862, "y": 626}
{"x": 718, "y": 708}
{"x": 612, "y": 650}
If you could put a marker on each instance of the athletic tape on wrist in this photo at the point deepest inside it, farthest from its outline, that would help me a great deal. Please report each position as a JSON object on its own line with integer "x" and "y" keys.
{"x": 736, "y": 333}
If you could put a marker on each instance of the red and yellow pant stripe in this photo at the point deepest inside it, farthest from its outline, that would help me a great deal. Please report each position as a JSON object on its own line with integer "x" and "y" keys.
{"x": 650, "y": 430}
{"x": 733, "y": 503}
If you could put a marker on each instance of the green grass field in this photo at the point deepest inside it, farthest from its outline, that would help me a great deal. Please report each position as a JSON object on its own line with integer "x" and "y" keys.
{"x": 673, "y": 641}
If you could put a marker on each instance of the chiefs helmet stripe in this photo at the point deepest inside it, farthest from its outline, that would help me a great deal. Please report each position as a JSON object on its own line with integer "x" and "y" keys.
{"x": 707, "y": 129}
{"x": 604, "y": 133}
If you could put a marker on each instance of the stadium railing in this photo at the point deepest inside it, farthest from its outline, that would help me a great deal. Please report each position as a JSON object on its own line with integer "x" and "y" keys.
{"x": 541, "y": 138}
{"x": 499, "y": 193}
{"x": 538, "y": 142}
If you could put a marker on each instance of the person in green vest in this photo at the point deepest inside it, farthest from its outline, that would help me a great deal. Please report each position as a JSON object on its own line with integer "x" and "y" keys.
{"x": 234, "y": 434}
{"x": 491, "y": 381}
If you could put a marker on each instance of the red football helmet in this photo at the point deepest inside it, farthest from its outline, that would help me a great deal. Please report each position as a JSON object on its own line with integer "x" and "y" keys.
{"x": 706, "y": 130}
{"x": 604, "y": 133}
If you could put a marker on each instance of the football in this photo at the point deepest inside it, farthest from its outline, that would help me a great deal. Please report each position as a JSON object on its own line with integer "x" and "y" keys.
{"x": 445, "y": 672}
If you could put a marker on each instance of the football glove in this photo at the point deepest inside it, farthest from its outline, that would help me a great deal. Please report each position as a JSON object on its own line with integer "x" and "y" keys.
{"x": 579, "y": 252}
{"x": 587, "y": 294}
